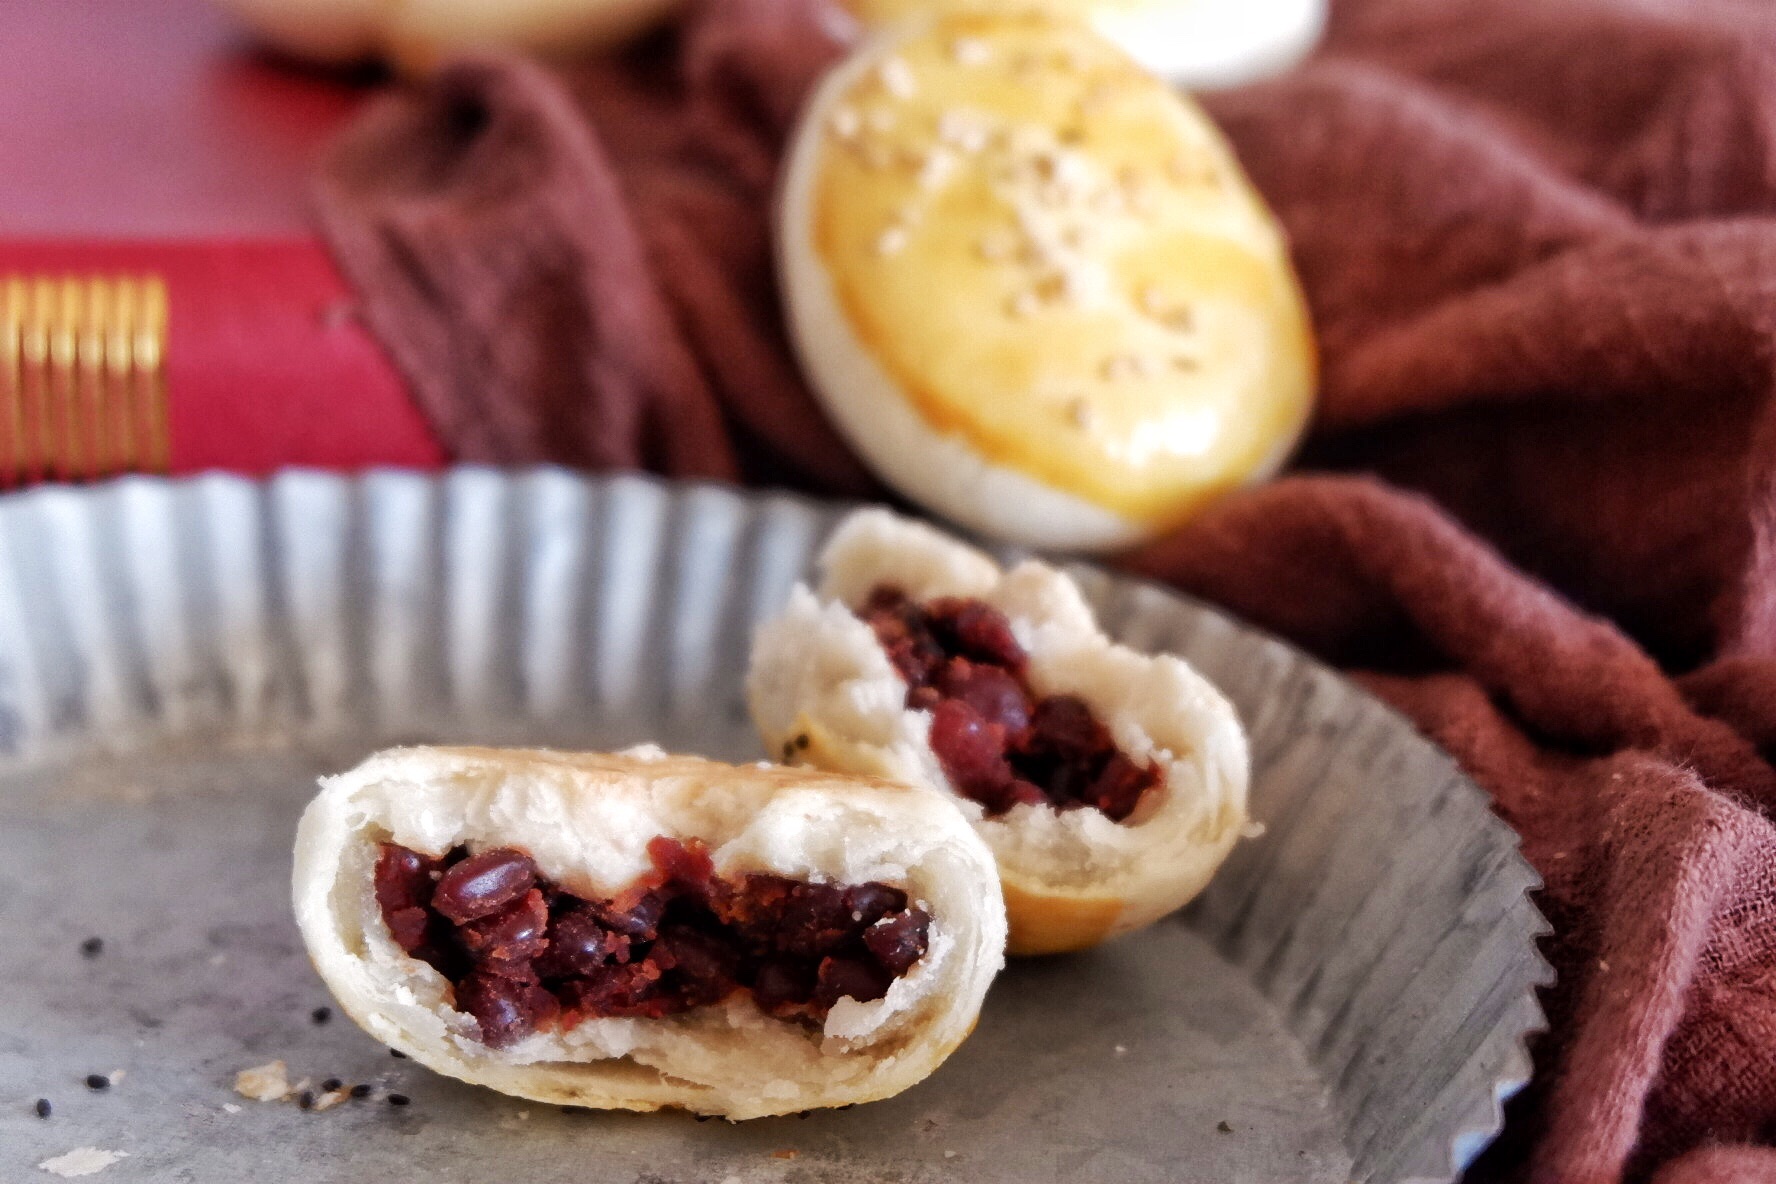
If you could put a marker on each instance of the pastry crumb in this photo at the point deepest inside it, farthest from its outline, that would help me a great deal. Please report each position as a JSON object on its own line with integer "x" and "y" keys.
{"x": 785, "y": 1153}
{"x": 269, "y": 1082}
{"x": 230, "y": 1108}
{"x": 330, "y": 1099}
{"x": 82, "y": 1161}
{"x": 1121, "y": 1048}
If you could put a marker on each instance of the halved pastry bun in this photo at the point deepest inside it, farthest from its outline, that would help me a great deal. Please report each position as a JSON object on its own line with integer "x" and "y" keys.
{"x": 586, "y": 820}
{"x": 823, "y": 692}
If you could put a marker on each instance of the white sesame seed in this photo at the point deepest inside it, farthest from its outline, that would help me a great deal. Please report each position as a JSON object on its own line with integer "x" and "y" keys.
{"x": 1121, "y": 1048}
{"x": 1079, "y": 413}
{"x": 897, "y": 78}
{"x": 971, "y": 51}
{"x": 937, "y": 168}
{"x": 1151, "y": 300}
{"x": 892, "y": 240}
{"x": 846, "y": 123}
{"x": 1185, "y": 364}
{"x": 962, "y": 130}
{"x": 1023, "y": 304}
{"x": 1179, "y": 319}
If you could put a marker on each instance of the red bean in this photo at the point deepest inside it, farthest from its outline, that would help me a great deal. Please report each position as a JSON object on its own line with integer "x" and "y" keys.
{"x": 995, "y": 694}
{"x": 507, "y": 1008}
{"x": 869, "y": 903}
{"x": 971, "y": 750}
{"x": 977, "y": 630}
{"x": 899, "y": 941}
{"x": 857, "y": 978}
{"x": 783, "y": 983}
{"x": 515, "y": 934}
{"x": 404, "y": 878}
{"x": 579, "y": 943}
{"x": 484, "y": 883}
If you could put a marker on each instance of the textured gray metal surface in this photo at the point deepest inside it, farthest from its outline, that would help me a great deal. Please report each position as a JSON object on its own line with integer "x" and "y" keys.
{"x": 178, "y": 661}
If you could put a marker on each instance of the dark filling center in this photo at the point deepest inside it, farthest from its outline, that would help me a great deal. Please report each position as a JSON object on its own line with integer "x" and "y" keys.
{"x": 524, "y": 955}
{"x": 998, "y": 741}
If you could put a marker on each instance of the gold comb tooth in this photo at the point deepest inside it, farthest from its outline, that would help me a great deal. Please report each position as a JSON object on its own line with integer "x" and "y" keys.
{"x": 82, "y": 377}
{"x": 89, "y": 346}
{"x": 150, "y": 357}
{"x": 40, "y": 431}
{"x": 12, "y": 395}
{"x": 64, "y": 352}
{"x": 119, "y": 366}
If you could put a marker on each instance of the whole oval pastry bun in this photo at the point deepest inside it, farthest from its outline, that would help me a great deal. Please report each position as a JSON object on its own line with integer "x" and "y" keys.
{"x": 823, "y": 691}
{"x": 415, "y": 35}
{"x": 586, "y": 820}
{"x": 1030, "y": 285}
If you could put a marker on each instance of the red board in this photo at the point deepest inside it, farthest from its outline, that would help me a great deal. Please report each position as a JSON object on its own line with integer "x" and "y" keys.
{"x": 148, "y": 135}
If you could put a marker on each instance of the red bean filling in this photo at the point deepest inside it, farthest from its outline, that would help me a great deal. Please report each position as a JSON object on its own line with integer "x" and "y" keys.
{"x": 524, "y": 955}
{"x": 998, "y": 741}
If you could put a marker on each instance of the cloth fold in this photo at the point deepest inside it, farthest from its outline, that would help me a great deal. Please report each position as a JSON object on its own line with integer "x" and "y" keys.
{"x": 1536, "y": 513}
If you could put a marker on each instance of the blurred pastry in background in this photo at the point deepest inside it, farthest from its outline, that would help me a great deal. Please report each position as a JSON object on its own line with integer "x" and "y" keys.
{"x": 1193, "y": 43}
{"x": 1032, "y": 287}
{"x": 414, "y": 35}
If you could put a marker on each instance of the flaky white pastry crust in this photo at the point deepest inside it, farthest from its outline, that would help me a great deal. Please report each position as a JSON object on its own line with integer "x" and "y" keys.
{"x": 823, "y": 692}
{"x": 586, "y": 820}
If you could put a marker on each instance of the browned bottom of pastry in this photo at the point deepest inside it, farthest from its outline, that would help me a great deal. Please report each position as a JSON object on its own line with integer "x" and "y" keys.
{"x": 999, "y": 742}
{"x": 525, "y": 955}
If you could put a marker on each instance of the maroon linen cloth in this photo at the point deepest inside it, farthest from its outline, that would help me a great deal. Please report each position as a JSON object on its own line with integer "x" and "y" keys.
{"x": 1539, "y": 242}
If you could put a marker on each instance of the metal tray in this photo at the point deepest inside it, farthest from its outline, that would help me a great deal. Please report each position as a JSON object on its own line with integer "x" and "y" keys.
{"x": 179, "y": 660}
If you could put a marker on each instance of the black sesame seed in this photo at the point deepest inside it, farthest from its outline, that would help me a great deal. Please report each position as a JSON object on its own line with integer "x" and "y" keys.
{"x": 803, "y": 741}
{"x": 703, "y": 1117}
{"x": 321, "y": 1015}
{"x": 305, "y": 1100}
{"x": 91, "y": 946}
{"x": 400, "y": 1100}
{"x": 360, "y": 1091}
{"x": 397, "y": 1054}
{"x": 331, "y": 1084}
{"x": 97, "y": 1081}
{"x": 43, "y": 1108}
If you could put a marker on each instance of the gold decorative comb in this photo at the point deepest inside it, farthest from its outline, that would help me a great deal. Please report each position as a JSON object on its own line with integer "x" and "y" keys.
{"x": 82, "y": 377}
